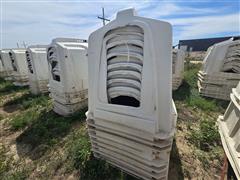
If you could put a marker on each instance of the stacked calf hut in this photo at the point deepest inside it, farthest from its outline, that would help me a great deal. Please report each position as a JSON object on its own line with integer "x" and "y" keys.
{"x": 220, "y": 72}
{"x": 2, "y": 70}
{"x": 7, "y": 64}
{"x": 178, "y": 57}
{"x": 19, "y": 65}
{"x": 36, "y": 57}
{"x": 131, "y": 116}
{"x": 68, "y": 82}
{"x": 229, "y": 129}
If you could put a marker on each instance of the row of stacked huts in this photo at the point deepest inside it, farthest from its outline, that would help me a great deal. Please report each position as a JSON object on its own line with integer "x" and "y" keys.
{"x": 125, "y": 74}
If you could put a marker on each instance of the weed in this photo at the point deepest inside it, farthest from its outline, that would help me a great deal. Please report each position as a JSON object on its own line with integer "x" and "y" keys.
{"x": 196, "y": 101}
{"x": 7, "y": 87}
{"x": 28, "y": 100}
{"x": 188, "y": 92}
{"x": 32, "y": 107}
{"x": 190, "y": 77}
{"x": 20, "y": 121}
{"x": 17, "y": 175}
{"x": 3, "y": 161}
{"x": 206, "y": 135}
{"x": 208, "y": 158}
{"x": 83, "y": 159}
{"x": 46, "y": 130}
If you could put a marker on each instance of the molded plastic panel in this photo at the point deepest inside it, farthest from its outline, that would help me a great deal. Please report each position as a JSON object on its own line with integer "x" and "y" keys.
{"x": 131, "y": 117}
{"x": 7, "y": 64}
{"x": 19, "y": 65}
{"x": 37, "y": 68}
{"x": 68, "y": 68}
{"x": 220, "y": 72}
{"x": 178, "y": 57}
{"x": 229, "y": 129}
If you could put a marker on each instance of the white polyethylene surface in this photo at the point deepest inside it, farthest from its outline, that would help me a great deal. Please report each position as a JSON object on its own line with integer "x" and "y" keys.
{"x": 38, "y": 60}
{"x": 37, "y": 67}
{"x": 7, "y": 65}
{"x": 130, "y": 65}
{"x": 229, "y": 128}
{"x": 131, "y": 56}
{"x": 68, "y": 67}
{"x": 18, "y": 59}
{"x": 178, "y": 62}
{"x": 217, "y": 54}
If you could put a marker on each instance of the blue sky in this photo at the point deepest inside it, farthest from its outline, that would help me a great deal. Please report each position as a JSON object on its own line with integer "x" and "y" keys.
{"x": 39, "y": 21}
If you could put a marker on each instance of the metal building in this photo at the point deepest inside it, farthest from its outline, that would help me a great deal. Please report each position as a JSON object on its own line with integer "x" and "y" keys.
{"x": 201, "y": 44}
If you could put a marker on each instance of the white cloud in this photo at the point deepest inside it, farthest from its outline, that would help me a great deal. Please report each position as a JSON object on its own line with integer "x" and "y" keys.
{"x": 198, "y": 27}
{"x": 160, "y": 10}
{"x": 38, "y": 23}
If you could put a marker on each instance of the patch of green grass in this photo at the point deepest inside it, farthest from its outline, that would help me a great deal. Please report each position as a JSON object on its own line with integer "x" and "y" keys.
{"x": 98, "y": 169}
{"x": 7, "y": 87}
{"x": 17, "y": 175}
{"x": 188, "y": 92}
{"x": 190, "y": 75}
{"x": 79, "y": 151}
{"x": 20, "y": 121}
{"x": 32, "y": 106}
{"x": 3, "y": 161}
{"x": 196, "y": 101}
{"x": 207, "y": 158}
{"x": 90, "y": 167}
{"x": 46, "y": 130}
{"x": 206, "y": 136}
{"x": 28, "y": 100}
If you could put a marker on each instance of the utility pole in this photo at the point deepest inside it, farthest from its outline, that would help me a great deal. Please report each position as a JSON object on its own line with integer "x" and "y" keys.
{"x": 103, "y": 17}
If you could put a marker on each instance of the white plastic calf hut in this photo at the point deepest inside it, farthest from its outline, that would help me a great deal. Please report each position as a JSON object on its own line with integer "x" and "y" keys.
{"x": 2, "y": 70}
{"x": 229, "y": 129}
{"x": 131, "y": 116}
{"x": 68, "y": 80}
{"x": 19, "y": 65}
{"x": 36, "y": 57}
{"x": 221, "y": 70}
{"x": 7, "y": 64}
{"x": 178, "y": 57}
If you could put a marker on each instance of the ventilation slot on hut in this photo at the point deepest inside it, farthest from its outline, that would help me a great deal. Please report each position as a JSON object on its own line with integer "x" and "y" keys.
{"x": 124, "y": 48}
{"x": 29, "y": 63}
{"x": 13, "y": 61}
{"x": 174, "y": 59}
{"x": 52, "y": 58}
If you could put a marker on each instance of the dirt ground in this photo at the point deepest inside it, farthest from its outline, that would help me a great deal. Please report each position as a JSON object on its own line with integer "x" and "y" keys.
{"x": 24, "y": 157}
{"x": 183, "y": 165}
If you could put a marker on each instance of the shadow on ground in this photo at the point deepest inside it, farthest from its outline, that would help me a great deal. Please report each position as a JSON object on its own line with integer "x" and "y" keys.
{"x": 20, "y": 99}
{"x": 99, "y": 169}
{"x": 175, "y": 167}
{"x": 7, "y": 87}
{"x": 11, "y": 108}
{"x": 48, "y": 129}
{"x": 183, "y": 92}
